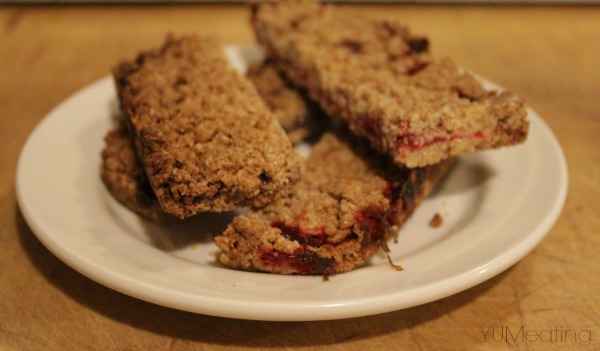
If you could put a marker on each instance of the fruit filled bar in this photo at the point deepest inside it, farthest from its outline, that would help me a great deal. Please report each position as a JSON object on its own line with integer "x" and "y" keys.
{"x": 348, "y": 202}
{"x": 383, "y": 82}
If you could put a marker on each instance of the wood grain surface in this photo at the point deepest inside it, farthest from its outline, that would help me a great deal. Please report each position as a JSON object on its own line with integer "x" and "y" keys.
{"x": 548, "y": 55}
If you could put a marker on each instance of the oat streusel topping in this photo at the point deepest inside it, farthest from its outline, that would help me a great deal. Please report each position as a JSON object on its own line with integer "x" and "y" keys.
{"x": 205, "y": 137}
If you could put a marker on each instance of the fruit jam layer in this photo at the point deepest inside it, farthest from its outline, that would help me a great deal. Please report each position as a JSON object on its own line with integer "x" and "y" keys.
{"x": 301, "y": 261}
{"x": 373, "y": 224}
{"x": 415, "y": 142}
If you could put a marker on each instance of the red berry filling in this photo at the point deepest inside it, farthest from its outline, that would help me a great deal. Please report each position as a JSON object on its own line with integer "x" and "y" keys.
{"x": 315, "y": 237}
{"x": 373, "y": 223}
{"x": 414, "y": 142}
{"x": 300, "y": 261}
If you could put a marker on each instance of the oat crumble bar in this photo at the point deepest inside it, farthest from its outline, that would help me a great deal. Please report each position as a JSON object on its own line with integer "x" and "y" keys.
{"x": 126, "y": 180}
{"x": 383, "y": 82}
{"x": 205, "y": 138}
{"x": 348, "y": 202}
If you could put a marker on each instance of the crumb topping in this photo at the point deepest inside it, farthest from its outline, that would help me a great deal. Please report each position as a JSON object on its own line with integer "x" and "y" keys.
{"x": 205, "y": 137}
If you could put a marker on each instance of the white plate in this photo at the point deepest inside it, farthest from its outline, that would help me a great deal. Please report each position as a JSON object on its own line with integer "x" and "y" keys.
{"x": 497, "y": 206}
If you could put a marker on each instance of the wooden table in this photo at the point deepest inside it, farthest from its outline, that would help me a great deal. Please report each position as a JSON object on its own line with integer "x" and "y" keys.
{"x": 549, "y": 55}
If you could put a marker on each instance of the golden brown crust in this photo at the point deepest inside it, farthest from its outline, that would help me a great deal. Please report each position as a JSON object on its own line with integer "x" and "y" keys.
{"x": 383, "y": 82}
{"x": 204, "y": 136}
{"x": 348, "y": 202}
